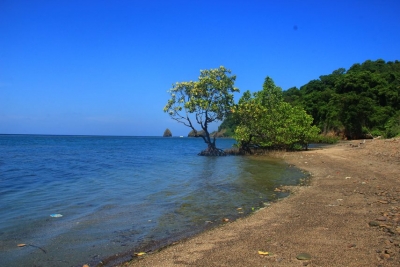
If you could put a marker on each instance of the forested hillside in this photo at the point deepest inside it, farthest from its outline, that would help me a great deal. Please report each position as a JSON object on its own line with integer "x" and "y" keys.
{"x": 362, "y": 101}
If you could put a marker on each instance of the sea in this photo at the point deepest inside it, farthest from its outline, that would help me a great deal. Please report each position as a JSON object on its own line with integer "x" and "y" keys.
{"x": 97, "y": 200}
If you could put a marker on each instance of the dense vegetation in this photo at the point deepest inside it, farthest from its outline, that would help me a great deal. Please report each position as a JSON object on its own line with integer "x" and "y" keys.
{"x": 264, "y": 120}
{"x": 360, "y": 102}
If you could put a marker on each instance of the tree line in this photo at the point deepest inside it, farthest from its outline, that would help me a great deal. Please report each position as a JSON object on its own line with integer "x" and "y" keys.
{"x": 362, "y": 101}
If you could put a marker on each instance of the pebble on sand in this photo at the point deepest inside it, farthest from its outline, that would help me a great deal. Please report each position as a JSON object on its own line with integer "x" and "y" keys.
{"x": 303, "y": 256}
{"x": 373, "y": 223}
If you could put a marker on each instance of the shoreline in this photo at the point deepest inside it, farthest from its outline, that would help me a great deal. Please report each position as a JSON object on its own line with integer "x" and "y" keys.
{"x": 124, "y": 257}
{"x": 349, "y": 215}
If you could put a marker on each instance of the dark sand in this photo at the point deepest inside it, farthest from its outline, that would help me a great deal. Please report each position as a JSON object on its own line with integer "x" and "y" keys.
{"x": 349, "y": 215}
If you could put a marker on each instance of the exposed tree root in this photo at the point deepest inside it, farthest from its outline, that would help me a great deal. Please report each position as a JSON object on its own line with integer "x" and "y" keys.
{"x": 212, "y": 152}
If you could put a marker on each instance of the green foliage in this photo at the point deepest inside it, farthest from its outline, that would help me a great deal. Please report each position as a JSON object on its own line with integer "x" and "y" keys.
{"x": 325, "y": 139}
{"x": 375, "y": 133}
{"x": 204, "y": 101}
{"x": 392, "y": 127}
{"x": 265, "y": 120}
{"x": 367, "y": 96}
{"x": 228, "y": 126}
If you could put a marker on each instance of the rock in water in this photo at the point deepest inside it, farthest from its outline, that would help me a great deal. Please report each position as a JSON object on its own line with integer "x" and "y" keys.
{"x": 167, "y": 133}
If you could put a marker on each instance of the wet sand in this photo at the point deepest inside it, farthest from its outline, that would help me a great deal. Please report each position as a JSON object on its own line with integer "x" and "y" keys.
{"x": 348, "y": 215}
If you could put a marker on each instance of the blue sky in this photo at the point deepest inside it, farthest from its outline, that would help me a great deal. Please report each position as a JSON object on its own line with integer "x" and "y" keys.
{"x": 104, "y": 67}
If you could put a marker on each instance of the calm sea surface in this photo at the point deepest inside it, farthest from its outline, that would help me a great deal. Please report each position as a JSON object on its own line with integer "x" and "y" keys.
{"x": 119, "y": 194}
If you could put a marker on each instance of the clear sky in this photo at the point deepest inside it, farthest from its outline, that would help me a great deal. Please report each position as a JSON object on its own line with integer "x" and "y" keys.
{"x": 104, "y": 67}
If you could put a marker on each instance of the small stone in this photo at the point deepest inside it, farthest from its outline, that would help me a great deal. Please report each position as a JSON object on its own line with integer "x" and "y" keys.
{"x": 373, "y": 224}
{"x": 382, "y": 218}
{"x": 386, "y": 256}
{"x": 303, "y": 256}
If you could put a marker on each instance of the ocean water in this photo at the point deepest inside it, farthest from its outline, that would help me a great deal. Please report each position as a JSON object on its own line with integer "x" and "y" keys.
{"x": 118, "y": 195}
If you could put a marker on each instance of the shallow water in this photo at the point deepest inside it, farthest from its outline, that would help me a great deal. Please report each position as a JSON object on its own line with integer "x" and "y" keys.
{"x": 119, "y": 193}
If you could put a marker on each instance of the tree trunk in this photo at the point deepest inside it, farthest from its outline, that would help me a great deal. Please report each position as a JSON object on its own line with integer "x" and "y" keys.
{"x": 212, "y": 150}
{"x": 245, "y": 146}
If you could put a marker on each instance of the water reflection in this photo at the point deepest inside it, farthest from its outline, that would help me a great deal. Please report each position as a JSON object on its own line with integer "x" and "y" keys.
{"x": 218, "y": 188}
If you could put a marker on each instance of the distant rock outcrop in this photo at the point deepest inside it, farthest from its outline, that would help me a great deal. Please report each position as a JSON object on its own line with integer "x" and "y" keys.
{"x": 201, "y": 132}
{"x": 192, "y": 134}
{"x": 167, "y": 133}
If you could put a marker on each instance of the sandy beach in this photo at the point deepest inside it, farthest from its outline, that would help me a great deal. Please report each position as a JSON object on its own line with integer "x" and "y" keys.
{"x": 347, "y": 215}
